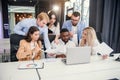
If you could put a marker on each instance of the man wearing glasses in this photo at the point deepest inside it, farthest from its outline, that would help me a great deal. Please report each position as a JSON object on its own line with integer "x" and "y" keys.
{"x": 75, "y": 27}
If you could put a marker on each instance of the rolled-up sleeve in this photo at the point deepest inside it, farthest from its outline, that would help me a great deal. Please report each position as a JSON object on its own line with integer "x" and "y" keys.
{"x": 18, "y": 29}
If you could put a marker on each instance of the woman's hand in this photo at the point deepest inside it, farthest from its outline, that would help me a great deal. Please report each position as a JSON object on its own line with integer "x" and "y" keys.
{"x": 105, "y": 56}
{"x": 83, "y": 42}
{"x": 71, "y": 34}
{"x": 36, "y": 50}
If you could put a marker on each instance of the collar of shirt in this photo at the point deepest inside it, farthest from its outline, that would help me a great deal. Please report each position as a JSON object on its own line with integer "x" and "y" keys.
{"x": 63, "y": 43}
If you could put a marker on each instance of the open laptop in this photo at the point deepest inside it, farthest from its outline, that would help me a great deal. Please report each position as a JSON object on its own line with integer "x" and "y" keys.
{"x": 77, "y": 55}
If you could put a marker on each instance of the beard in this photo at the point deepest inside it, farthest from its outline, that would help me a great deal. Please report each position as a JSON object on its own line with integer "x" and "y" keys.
{"x": 74, "y": 24}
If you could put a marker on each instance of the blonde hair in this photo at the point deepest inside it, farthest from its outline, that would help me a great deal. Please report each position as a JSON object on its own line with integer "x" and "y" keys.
{"x": 42, "y": 16}
{"x": 91, "y": 36}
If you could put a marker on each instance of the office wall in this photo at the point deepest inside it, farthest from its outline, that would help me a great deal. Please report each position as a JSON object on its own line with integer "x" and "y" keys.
{"x": 1, "y": 22}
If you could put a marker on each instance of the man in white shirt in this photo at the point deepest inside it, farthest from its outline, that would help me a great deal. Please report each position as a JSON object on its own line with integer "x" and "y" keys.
{"x": 64, "y": 42}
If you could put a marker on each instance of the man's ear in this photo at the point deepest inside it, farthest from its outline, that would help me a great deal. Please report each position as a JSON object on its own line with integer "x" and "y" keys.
{"x": 38, "y": 19}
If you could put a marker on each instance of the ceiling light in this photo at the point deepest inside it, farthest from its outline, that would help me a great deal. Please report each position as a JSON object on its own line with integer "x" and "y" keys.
{"x": 30, "y": 0}
{"x": 55, "y": 7}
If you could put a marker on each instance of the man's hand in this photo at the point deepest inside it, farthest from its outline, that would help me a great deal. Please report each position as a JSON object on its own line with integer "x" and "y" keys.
{"x": 61, "y": 56}
{"x": 83, "y": 42}
{"x": 71, "y": 34}
{"x": 56, "y": 41}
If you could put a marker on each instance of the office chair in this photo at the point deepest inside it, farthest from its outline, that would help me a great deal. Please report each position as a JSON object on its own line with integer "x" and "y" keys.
{"x": 99, "y": 36}
{"x": 14, "y": 45}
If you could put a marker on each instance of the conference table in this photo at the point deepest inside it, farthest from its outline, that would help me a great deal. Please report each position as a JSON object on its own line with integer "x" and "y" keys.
{"x": 55, "y": 69}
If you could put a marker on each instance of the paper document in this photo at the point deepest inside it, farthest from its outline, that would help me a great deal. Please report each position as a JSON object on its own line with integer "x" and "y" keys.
{"x": 57, "y": 50}
{"x": 51, "y": 50}
{"x": 30, "y": 65}
{"x": 103, "y": 48}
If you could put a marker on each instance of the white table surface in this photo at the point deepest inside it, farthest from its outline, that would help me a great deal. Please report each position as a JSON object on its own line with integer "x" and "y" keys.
{"x": 54, "y": 69}
{"x": 5, "y": 43}
{"x": 10, "y": 71}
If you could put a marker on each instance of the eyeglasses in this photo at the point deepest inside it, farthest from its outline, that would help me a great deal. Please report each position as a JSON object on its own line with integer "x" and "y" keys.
{"x": 75, "y": 20}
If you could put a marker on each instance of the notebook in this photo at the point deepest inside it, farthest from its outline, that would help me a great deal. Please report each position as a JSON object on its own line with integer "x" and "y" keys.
{"x": 77, "y": 55}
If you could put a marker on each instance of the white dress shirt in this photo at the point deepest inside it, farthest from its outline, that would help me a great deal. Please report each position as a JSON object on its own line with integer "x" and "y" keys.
{"x": 61, "y": 46}
{"x": 74, "y": 38}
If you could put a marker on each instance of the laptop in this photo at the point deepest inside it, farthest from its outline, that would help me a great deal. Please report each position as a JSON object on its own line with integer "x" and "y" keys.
{"x": 77, "y": 55}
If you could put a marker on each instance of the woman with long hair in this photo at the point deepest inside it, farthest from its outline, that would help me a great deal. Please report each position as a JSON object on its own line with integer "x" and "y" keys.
{"x": 89, "y": 38}
{"x": 53, "y": 25}
{"x": 30, "y": 47}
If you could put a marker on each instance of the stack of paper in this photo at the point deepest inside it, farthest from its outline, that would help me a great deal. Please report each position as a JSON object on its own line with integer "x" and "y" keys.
{"x": 103, "y": 48}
